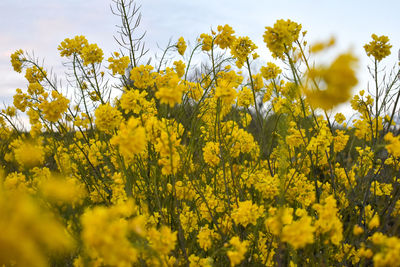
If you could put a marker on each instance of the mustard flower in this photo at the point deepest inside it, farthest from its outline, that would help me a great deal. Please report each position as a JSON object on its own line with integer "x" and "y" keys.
{"x": 247, "y": 213}
{"x": 181, "y": 46}
{"x": 91, "y": 54}
{"x": 131, "y": 138}
{"x": 271, "y": 71}
{"x": 279, "y": 39}
{"x": 17, "y": 60}
{"x": 241, "y": 48}
{"x": 69, "y": 47}
{"x": 379, "y": 47}
{"x": 211, "y": 154}
{"x": 142, "y": 76}
{"x": 107, "y": 117}
{"x": 118, "y": 65}
{"x": 239, "y": 248}
{"x": 225, "y": 37}
{"x": 339, "y": 78}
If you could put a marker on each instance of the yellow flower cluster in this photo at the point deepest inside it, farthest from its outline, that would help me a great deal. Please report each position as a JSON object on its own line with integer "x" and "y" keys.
{"x": 280, "y": 38}
{"x": 379, "y": 47}
{"x": 181, "y": 46}
{"x": 241, "y": 48}
{"x": 118, "y": 64}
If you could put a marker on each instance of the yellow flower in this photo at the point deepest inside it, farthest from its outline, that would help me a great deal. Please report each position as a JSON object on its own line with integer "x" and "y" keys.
{"x": 181, "y": 46}
{"x": 53, "y": 110}
{"x": 299, "y": 233}
{"x": 69, "y": 47}
{"x": 142, "y": 76}
{"x": 241, "y": 48}
{"x": 118, "y": 65}
{"x": 211, "y": 154}
{"x": 393, "y": 146}
{"x": 180, "y": 68}
{"x": 247, "y": 213}
{"x": 131, "y": 138}
{"x": 107, "y": 117}
{"x": 328, "y": 220}
{"x": 238, "y": 251}
{"x": 379, "y": 47}
{"x": 35, "y": 74}
{"x": 91, "y": 54}
{"x": 271, "y": 71}
{"x": 225, "y": 91}
{"x": 206, "y": 40}
{"x": 17, "y": 60}
{"x": 225, "y": 36}
{"x": 163, "y": 240}
{"x": 245, "y": 97}
{"x": 171, "y": 92}
{"x": 280, "y": 38}
{"x": 338, "y": 80}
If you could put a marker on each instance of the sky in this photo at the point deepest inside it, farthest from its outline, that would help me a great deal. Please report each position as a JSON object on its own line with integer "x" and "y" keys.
{"x": 38, "y": 26}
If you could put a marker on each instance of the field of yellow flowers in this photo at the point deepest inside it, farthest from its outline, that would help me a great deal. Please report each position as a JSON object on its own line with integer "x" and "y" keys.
{"x": 218, "y": 164}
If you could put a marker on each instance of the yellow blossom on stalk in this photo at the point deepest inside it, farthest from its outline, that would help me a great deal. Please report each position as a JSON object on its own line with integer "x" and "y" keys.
{"x": 271, "y": 71}
{"x": 16, "y": 60}
{"x": 379, "y": 47}
{"x": 339, "y": 118}
{"x": 69, "y": 47}
{"x": 226, "y": 92}
{"x": 278, "y": 218}
{"x": 118, "y": 65}
{"x": 339, "y": 78}
{"x": 91, "y": 54}
{"x": 258, "y": 82}
{"x": 393, "y": 146}
{"x": 206, "y": 236}
{"x": 35, "y": 74}
{"x": 131, "y": 138}
{"x": 279, "y": 39}
{"x": 328, "y": 220}
{"x": 55, "y": 109}
{"x": 181, "y": 46}
{"x": 114, "y": 221}
{"x": 180, "y": 68}
{"x": 299, "y": 233}
{"x": 381, "y": 189}
{"x": 35, "y": 88}
{"x": 134, "y": 100}
{"x": 211, "y": 153}
{"x": 247, "y": 213}
{"x": 142, "y": 76}
{"x": 245, "y": 97}
{"x": 340, "y": 141}
{"x": 107, "y": 117}
{"x": 206, "y": 41}
{"x": 162, "y": 240}
{"x": 237, "y": 253}
{"x": 225, "y": 37}
{"x": 28, "y": 153}
{"x": 171, "y": 92}
{"x": 241, "y": 48}
{"x": 21, "y": 100}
